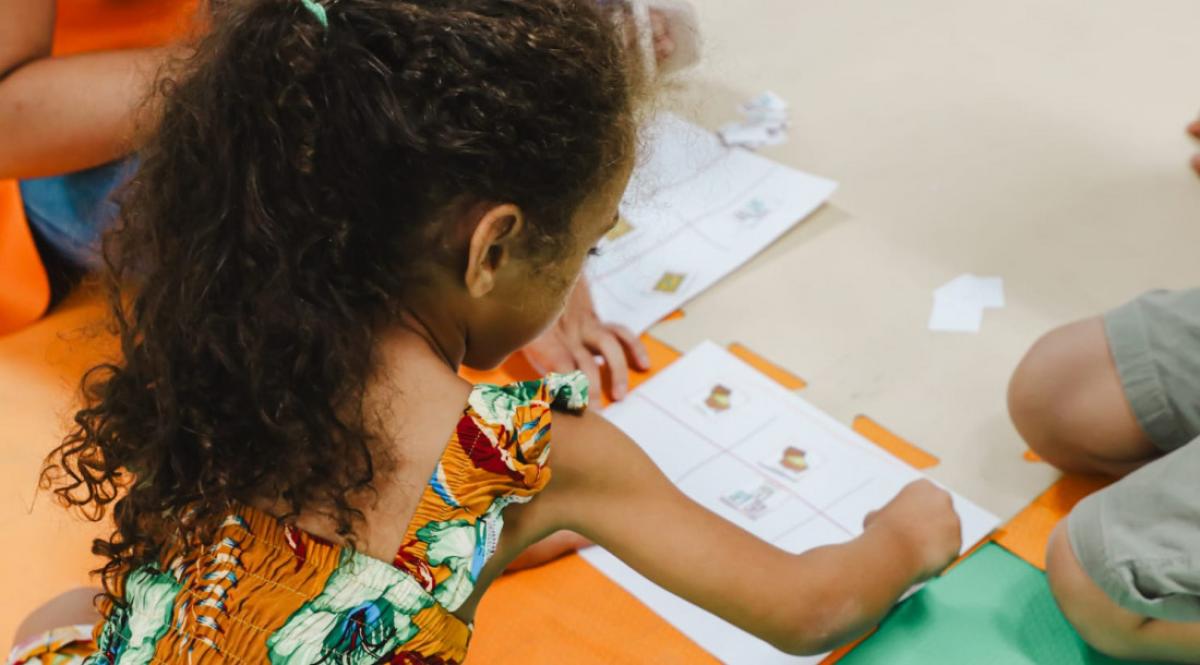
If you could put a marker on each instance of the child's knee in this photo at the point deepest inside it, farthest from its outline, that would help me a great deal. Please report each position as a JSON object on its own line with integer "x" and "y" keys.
{"x": 1044, "y": 389}
{"x": 1067, "y": 401}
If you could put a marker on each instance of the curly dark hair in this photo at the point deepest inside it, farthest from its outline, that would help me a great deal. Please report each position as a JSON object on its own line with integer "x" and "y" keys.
{"x": 299, "y": 178}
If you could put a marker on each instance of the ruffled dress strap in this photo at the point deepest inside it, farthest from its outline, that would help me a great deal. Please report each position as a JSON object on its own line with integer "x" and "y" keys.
{"x": 496, "y": 457}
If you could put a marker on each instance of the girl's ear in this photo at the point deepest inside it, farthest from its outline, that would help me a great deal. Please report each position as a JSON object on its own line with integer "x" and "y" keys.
{"x": 491, "y": 247}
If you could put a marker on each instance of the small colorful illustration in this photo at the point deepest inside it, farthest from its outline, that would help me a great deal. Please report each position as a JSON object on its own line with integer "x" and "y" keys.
{"x": 720, "y": 399}
{"x": 623, "y": 228}
{"x": 791, "y": 464}
{"x": 753, "y": 211}
{"x": 753, "y": 504}
{"x": 669, "y": 282}
{"x": 794, "y": 459}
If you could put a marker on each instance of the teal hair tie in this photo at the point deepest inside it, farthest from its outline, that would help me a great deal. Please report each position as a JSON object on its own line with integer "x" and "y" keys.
{"x": 317, "y": 11}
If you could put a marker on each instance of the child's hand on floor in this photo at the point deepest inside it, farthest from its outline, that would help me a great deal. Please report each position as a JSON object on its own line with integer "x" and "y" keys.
{"x": 578, "y": 336}
{"x": 923, "y": 522}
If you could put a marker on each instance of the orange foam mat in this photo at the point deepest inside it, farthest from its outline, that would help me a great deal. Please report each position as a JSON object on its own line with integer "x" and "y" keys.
{"x": 1027, "y": 534}
{"x": 577, "y": 615}
{"x": 24, "y": 287}
{"x": 775, "y": 372}
{"x": 915, "y": 456}
{"x": 94, "y": 25}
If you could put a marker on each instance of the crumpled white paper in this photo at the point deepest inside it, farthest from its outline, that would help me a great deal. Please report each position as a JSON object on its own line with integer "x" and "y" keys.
{"x": 764, "y": 123}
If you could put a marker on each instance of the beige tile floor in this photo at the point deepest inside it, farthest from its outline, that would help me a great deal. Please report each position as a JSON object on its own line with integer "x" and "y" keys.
{"x": 1039, "y": 141}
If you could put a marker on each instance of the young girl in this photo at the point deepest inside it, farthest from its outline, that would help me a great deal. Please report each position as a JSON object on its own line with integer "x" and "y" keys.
{"x": 344, "y": 203}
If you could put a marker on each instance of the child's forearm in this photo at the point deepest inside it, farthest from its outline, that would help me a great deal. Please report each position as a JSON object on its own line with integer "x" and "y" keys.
{"x": 607, "y": 489}
{"x": 64, "y": 114}
{"x": 857, "y": 584}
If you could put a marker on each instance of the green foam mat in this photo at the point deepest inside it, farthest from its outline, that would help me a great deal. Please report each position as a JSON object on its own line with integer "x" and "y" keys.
{"x": 992, "y": 609}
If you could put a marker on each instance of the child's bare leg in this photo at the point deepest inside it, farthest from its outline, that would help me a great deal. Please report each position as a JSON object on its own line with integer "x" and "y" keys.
{"x": 1067, "y": 402}
{"x": 1120, "y": 394}
{"x": 74, "y": 607}
{"x": 1123, "y": 566}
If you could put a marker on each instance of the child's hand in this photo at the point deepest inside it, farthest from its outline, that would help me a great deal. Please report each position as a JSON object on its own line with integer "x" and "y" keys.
{"x": 578, "y": 336}
{"x": 664, "y": 42}
{"x": 661, "y": 37}
{"x": 922, "y": 520}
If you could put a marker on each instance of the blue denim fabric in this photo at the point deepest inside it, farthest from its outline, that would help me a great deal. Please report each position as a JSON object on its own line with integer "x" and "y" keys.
{"x": 70, "y": 212}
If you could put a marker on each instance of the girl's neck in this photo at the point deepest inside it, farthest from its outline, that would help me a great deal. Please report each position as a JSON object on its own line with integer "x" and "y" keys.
{"x": 434, "y": 328}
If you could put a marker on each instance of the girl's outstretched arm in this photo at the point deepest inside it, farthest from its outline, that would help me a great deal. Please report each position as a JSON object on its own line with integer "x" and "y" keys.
{"x": 607, "y": 489}
{"x": 68, "y": 113}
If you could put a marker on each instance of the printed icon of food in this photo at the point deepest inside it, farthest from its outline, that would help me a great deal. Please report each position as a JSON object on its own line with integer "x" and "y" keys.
{"x": 719, "y": 398}
{"x": 669, "y": 282}
{"x": 794, "y": 459}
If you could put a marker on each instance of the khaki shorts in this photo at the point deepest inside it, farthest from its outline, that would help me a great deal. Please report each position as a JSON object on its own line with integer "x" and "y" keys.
{"x": 1139, "y": 539}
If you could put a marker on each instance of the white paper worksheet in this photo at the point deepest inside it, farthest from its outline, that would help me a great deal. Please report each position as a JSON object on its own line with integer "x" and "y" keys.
{"x": 758, "y": 455}
{"x": 694, "y": 211}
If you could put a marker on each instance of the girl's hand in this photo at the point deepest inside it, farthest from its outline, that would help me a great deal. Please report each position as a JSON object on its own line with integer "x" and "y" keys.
{"x": 921, "y": 519}
{"x": 660, "y": 30}
{"x": 578, "y": 336}
{"x": 660, "y": 35}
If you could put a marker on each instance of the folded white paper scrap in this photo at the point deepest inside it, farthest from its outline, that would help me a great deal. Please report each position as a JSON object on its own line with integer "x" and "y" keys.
{"x": 958, "y": 305}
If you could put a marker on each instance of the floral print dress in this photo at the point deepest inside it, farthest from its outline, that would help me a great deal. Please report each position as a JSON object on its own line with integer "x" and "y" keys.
{"x": 264, "y": 591}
